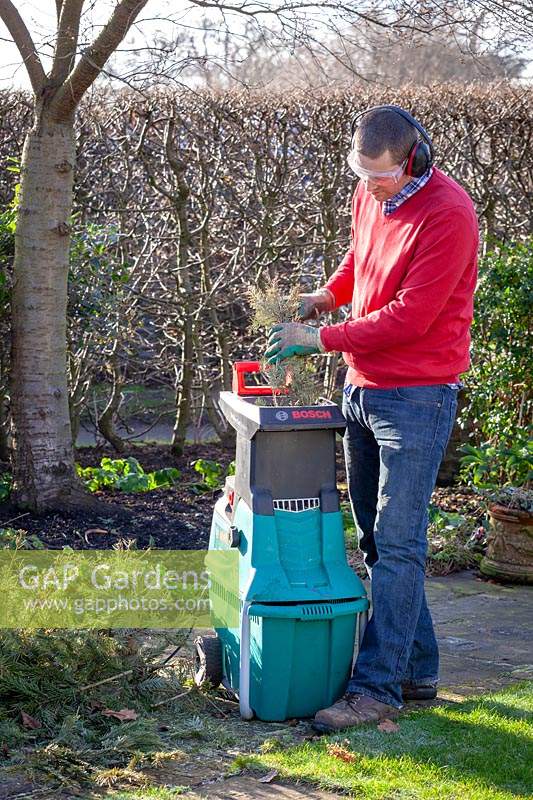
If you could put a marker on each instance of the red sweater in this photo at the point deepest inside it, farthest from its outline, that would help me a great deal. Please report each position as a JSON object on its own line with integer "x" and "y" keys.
{"x": 410, "y": 277}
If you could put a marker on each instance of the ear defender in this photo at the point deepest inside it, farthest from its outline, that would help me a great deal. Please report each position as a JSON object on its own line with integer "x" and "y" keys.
{"x": 419, "y": 160}
{"x": 420, "y": 156}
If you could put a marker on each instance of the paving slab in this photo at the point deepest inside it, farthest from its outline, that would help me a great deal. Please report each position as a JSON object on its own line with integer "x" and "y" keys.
{"x": 483, "y": 630}
{"x": 248, "y": 786}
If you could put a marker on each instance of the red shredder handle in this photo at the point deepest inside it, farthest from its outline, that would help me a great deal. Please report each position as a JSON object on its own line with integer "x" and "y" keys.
{"x": 240, "y": 370}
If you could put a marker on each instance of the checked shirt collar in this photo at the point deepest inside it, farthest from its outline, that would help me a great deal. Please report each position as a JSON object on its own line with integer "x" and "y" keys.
{"x": 394, "y": 202}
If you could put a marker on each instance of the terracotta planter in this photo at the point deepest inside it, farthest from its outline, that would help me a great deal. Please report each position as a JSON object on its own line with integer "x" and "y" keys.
{"x": 509, "y": 546}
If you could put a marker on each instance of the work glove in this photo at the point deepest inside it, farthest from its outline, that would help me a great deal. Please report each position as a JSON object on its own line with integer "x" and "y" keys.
{"x": 313, "y": 305}
{"x": 292, "y": 339}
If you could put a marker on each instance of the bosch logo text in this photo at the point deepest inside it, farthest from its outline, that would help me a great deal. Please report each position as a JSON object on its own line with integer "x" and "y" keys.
{"x": 311, "y": 414}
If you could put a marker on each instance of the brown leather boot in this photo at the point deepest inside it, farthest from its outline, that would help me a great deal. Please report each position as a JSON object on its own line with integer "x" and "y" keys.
{"x": 352, "y": 709}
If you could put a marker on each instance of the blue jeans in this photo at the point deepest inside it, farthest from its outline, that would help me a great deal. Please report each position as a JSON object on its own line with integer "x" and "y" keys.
{"x": 394, "y": 442}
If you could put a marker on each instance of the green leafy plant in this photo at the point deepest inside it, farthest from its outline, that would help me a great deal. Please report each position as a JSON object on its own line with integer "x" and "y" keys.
{"x": 451, "y": 545}
{"x": 499, "y": 396}
{"x": 8, "y": 223}
{"x": 440, "y": 520}
{"x": 5, "y": 486}
{"x": 213, "y": 475}
{"x": 126, "y": 475}
{"x": 492, "y": 465}
{"x": 8, "y": 219}
{"x": 16, "y": 539}
{"x": 211, "y": 472}
{"x": 95, "y": 270}
{"x": 7, "y": 229}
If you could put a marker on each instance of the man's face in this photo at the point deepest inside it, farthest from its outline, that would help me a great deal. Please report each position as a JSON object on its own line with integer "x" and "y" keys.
{"x": 380, "y": 187}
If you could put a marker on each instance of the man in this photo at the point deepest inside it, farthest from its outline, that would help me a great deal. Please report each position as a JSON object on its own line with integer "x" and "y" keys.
{"x": 410, "y": 276}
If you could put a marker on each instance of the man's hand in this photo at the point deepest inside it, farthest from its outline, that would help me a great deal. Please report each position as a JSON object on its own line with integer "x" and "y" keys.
{"x": 313, "y": 305}
{"x": 292, "y": 339}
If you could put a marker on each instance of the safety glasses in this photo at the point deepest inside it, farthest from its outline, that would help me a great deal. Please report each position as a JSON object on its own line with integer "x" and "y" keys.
{"x": 375, "y": 177}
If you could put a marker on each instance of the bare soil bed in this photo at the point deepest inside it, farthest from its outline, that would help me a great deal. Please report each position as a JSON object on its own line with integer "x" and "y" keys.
{"x": 175, "y": 518}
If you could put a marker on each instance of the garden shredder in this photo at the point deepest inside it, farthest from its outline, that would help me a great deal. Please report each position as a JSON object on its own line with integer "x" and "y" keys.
{"x": 299, "y": 603}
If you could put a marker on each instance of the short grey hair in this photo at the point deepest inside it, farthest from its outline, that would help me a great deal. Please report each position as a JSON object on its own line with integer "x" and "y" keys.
{"x": 384, "y": 129}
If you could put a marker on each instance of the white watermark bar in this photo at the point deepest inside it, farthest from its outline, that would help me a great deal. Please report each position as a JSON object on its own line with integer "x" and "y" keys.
{"x": 119, "y": 589}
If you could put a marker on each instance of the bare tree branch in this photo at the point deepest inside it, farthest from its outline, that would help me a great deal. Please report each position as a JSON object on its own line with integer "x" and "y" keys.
{"x": 94, "y": 58}
{"x": 22, "y": 38}
{"x": 67, "y": 40}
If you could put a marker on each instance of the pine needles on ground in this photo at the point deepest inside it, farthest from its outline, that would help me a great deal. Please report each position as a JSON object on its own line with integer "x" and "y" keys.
{"x": 272, "y": 306}
{"x": 54, "y": 705}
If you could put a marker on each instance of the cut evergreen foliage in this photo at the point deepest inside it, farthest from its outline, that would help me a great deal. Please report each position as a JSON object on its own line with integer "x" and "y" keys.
{"x": 272, "y": 306}
{"x": 48, "y": 703}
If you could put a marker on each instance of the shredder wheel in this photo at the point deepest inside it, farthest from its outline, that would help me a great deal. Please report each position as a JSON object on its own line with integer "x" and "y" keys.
{"x": 208, "y": 661}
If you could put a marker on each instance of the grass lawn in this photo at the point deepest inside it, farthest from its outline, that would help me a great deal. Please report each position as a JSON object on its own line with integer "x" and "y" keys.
{"x": 481, "y": 749}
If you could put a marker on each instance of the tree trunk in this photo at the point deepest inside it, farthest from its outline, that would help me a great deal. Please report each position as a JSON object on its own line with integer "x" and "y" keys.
{"x": 184, "y": 388}
{"x": 80, "y": 383}
{"x": 5, "y": 417}
{"x": 225, "y": 435}
{"x": 106, "y": 424}
{"x": 4, "y": 428}
{"x": 44, "y": 474}
{"x": 218, "y": 327}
